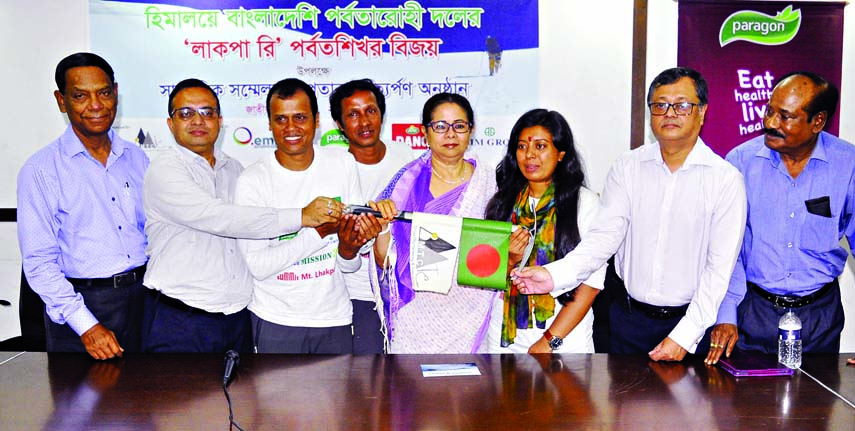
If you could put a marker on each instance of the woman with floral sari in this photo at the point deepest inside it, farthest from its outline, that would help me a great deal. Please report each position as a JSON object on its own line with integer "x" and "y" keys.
{"x": 444, "y": 180}
{"x": 541, "y": 189}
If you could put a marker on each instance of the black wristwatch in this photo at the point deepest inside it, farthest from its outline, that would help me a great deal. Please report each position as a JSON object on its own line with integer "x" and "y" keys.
{"x": 553, "y": 341}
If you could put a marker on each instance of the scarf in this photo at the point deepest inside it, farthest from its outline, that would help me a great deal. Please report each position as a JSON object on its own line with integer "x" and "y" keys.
{"x": 409, "y": 188}
{"x": 518, "y": 308}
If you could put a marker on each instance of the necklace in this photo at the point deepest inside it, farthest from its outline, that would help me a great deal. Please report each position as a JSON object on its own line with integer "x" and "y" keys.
{"x": 438, "y": 176}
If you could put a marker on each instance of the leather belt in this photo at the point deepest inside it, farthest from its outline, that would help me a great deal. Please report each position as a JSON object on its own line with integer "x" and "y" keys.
{"x": 176, "y": 303}
{"x": 790, "y": 301}
{"x": 661, "y": 312}
{"x": 126, "y": 278}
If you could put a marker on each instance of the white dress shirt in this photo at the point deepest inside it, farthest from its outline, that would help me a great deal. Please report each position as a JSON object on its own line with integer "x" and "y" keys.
{"x": 192, "y": 224}
{"x": 676, "y": 235}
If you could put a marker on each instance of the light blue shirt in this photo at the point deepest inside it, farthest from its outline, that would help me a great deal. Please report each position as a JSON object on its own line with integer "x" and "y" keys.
{"x": 788, "y": 250}
{"x": 79, "y": 219}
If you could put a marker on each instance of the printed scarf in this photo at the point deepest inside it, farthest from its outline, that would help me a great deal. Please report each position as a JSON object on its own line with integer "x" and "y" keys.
{"x": 518, "y": 308}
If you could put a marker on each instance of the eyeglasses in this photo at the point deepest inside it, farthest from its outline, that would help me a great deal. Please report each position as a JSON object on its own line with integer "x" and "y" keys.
{"x": 681, "y": 108}
{"x": 458, "y": 126}
{"x": 185, "y": 114}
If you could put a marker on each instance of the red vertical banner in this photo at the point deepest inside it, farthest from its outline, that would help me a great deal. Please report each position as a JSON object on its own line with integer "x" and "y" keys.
{"x": 743, "y": 47}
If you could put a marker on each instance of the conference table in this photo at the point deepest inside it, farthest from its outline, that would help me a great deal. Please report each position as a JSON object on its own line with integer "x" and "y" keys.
{"x": 64, "y": 391}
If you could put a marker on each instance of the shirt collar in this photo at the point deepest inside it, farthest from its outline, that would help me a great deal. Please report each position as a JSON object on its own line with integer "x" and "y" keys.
{"x": 72, "y": 146}
{"x": 220, "y": 158}
{"x": 819, "y": 151}
{"x": 700, "y": 154}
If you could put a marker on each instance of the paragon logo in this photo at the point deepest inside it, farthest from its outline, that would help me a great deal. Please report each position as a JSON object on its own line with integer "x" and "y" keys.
{"x": 334, "y": 137}
{"x": 755, "y": 27}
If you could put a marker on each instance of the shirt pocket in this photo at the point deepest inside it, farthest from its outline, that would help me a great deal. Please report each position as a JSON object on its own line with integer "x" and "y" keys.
{"x": 819, "y": 234}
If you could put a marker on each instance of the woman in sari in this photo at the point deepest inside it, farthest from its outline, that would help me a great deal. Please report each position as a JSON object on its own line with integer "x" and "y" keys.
{"x": 444, "y": 180}
{"x": 541, "y": 189}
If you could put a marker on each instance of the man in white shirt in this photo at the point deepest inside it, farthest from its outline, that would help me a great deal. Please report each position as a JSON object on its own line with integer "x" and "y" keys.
{"x": 300, "y": 303}
{"x": 358, "y": 108}
{"x": 674, "y": 214}
{"x": 199, "y": 284}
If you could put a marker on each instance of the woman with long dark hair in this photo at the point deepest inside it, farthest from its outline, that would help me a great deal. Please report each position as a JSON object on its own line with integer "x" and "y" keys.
{"x": 541, "y": 189}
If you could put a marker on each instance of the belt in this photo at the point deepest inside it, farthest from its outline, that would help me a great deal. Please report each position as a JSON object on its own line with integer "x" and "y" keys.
{"x": 159, "y": 297}
{"x": 126, "y": 278}
{"x": 654, "y": 311}
{"x": 789, "y": 301}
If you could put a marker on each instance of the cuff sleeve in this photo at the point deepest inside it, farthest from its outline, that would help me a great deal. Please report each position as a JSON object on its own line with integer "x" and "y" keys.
{"x": 349, "y": 265}
{"x": 687, "y": 335}
{"x": 727, "y": 311}
{"x": 291, "y": 219}
{"x": 82, "y": 320}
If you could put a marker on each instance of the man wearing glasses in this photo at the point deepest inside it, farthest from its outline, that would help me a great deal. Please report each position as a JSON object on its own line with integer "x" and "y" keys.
{"x": 673, "y": 213}
{"x": 801, "y": 191}
{"x": 199, "y": 284}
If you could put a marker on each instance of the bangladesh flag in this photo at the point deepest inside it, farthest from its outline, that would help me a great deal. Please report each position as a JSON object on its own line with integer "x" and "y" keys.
{"x": 483, "y": 260}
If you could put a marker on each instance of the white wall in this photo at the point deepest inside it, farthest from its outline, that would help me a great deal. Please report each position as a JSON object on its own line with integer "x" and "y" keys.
{"x": 36, "y": 35}
{"x": 585, "y": 73}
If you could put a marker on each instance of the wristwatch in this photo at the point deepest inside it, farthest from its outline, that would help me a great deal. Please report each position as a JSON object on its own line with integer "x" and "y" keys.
{"x": 553, "y": 341}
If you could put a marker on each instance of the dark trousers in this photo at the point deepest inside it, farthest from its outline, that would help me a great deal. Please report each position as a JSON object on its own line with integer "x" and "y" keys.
{"x": 118, "y": 308}
{"x": 602, "y": 304}
{"x": 367, "y": 336}
{"x": 635, "y": 332}
{"x": 273, "y": 338}
{"x": 822, "y": 322}
{"x": 168, "y": 329}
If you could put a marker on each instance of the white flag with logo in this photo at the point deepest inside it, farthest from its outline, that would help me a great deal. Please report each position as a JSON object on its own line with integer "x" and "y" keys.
{"x": 434, "y": 245}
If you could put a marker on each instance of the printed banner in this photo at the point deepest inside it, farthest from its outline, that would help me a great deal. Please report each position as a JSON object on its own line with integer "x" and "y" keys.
{"x": 742, "y": 47}
{"x": 483, "y": 258}
{"x": 484, "y": 50}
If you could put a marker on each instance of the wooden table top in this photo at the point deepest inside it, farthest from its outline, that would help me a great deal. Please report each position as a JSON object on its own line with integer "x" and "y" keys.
{"x": 300, "y": 392}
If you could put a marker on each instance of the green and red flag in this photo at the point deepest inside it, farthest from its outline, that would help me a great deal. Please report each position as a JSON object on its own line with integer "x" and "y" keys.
{"x": 479, "y": 247}
{"x": 483, "y": 260}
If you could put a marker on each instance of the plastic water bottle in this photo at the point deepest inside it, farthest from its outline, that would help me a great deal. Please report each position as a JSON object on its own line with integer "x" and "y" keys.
{"x": 790, "y": 340}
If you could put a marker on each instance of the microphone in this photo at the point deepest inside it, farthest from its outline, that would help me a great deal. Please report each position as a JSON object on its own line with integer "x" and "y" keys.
{"x": 231, "y": 360}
